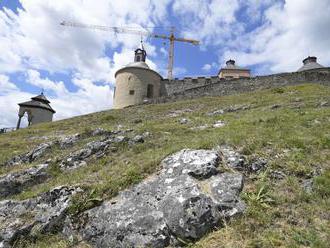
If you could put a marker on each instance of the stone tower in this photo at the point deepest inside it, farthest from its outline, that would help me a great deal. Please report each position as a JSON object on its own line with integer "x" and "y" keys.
{"x": 136, "y": 82}
{"x": 38, "y": 110}
{"x": 310, "y": 63}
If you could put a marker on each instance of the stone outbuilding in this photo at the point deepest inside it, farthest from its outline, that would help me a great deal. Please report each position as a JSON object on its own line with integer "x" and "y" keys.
{"x": 233, "y": 71}
{"x": 38, "y": 110}
{"x": 310, "y": 63}
{"x": 136, "y": 83}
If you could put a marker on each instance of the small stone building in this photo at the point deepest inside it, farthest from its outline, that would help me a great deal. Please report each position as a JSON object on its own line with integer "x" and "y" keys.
{"x": 136, "y": 82}
{"x": 38, "y": 110}
{"x": 233, "y": 71}
{"x": 310, "y": 63}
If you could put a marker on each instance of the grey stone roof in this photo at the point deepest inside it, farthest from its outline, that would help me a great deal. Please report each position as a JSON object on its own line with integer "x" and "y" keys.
{"x": 310, "y": 66}
{"x": 40, "y": 97}
{"x": 140, "y": 64}
{"x": 39, "y": 101}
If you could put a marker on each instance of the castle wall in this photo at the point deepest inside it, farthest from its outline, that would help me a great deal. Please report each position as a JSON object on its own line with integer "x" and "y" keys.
{"x": 214, "y": 86}
{"x": 132, "y": 86}
{"x": 180, "y": 85}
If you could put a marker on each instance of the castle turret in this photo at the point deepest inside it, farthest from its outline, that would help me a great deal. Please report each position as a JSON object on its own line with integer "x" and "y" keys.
{"x": 310, "y": 63}
{"x": 38, "y": 110}
{"x": 136, "y": 82}
{"x": 140, "y": 55}
{"x": 233, "y": 71}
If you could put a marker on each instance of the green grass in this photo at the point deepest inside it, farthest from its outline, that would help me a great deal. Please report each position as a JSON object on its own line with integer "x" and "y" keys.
{"x": 295, "y": 138}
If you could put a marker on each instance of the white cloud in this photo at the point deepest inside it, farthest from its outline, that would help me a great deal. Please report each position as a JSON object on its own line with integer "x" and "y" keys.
{"x": 10, "y": 96}
{"x": 209, "y": 67}
{"x": 210, "y": 21}
{"x": 6, "y": 86}
{"x": 291, "y": 32}
{"x": 58, "y": 88}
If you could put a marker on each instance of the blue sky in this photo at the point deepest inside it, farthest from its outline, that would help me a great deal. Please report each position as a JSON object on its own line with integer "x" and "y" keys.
{"x": 76, "y": 67}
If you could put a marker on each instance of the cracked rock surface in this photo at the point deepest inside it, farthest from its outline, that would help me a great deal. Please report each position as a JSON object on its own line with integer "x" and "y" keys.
{"x": 31, "y": 217}
{"x": 185, "y": 200}
{"x": 14, "y": 183}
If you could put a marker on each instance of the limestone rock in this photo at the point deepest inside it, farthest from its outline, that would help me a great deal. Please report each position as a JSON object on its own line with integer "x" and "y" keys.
{"x": 138, "y": 139}
{"x": 16, "y": 182}
{"x": 258, "y": 165}
{"x": 275, "y": 106}
{"x": 31, "y": 156}
{"x": 323, "y": 104}
{"x": 76, "y": 159}
{"x": 232, "y": 158}
{"x": 176, "y": 113}
{"x": 98, "y": 148}
{"x": 216, "y": 112}
{"x": 69, "y": 141}
{"x": 183, "y": 121}
{"x": 202, "y": 127}
{"x": 277, "y": 174}
{"x": 31, "y": 217}
{"x": 185, "y": 200}
{"x": 236, "y": 108}
{"x": 218, "y": 124}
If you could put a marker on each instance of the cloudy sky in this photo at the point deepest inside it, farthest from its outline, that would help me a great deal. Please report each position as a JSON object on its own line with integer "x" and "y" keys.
{"x": 76, "y": 67}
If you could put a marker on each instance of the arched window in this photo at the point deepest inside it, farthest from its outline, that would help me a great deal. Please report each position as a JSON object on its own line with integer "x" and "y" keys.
{"x": 138, "y": 58}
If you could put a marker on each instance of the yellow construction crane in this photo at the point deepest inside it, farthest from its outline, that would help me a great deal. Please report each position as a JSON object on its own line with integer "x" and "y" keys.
{"x": 126, "y": 30}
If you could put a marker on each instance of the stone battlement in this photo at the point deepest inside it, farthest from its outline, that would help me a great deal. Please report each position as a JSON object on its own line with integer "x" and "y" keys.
{"x": 214, "y": 86}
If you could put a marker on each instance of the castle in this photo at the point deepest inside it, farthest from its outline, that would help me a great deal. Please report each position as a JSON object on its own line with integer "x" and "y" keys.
{"x": 136, "y": 83}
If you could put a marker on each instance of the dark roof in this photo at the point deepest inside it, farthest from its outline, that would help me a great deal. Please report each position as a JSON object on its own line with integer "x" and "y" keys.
{"x": 39, "y": 101}
{"x": 41, "y": 98}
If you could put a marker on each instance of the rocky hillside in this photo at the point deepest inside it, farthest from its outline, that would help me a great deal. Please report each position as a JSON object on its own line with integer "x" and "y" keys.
{"x": 249, "y": 170}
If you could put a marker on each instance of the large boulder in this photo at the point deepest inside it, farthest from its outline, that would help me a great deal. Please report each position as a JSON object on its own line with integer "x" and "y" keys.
{"x": 185, "y": 200}
{"x": 14, "y": 183}
{"x": 28, "y": 218}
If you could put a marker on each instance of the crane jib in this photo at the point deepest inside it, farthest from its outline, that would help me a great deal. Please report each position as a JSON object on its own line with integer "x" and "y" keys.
{"x": 124, "y": 30}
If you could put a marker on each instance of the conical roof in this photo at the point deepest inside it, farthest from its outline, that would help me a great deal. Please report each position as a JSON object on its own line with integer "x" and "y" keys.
{"x": 39, "y": 101}
{"x": 310, "y": 63}
{"x": 41, "y": 98}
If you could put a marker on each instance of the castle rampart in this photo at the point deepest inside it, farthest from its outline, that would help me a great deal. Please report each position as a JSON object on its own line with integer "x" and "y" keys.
{"x": 214, "y": 86}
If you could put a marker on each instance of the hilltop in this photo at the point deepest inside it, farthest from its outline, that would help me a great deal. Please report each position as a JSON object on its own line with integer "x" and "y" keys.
{"x": 280, "y": 137}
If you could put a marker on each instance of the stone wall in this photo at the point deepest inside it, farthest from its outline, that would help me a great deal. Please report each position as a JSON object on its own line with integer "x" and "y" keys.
{"x": 214, "y": 86}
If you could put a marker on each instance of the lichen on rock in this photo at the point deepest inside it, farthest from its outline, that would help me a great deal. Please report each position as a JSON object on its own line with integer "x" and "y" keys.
{"x": 185, "y": 200}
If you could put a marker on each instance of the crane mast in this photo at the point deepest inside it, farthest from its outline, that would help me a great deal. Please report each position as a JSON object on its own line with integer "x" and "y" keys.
{"x": 133, "y": 31}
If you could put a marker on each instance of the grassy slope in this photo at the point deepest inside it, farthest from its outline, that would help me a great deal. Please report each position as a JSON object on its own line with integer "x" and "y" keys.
{"x": 295, "y": 138}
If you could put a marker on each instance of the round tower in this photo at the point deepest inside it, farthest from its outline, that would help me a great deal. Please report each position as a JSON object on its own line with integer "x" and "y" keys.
{"x": 38, "y": 110}
{"x": 136, "y": 82}
{"x": 310, "y": 63}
